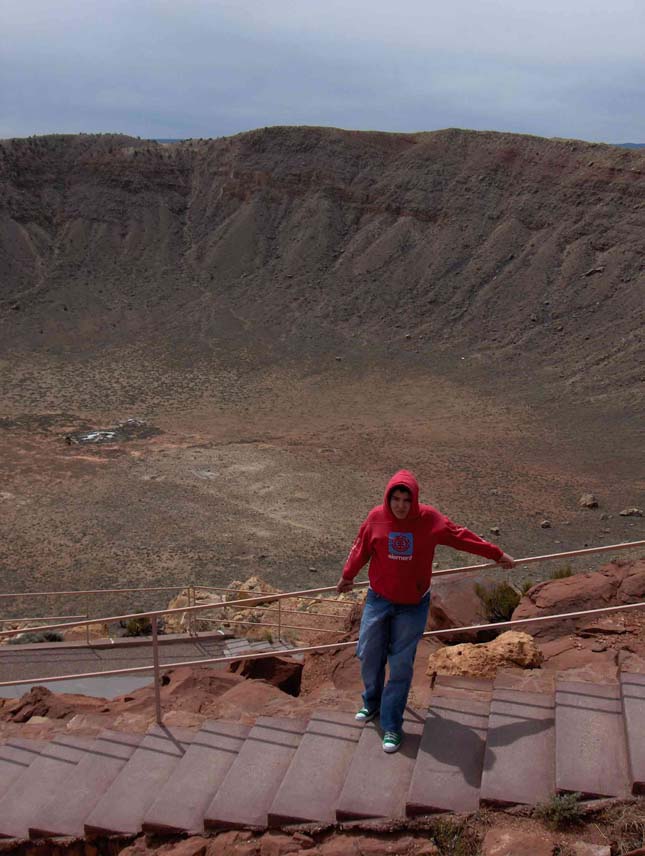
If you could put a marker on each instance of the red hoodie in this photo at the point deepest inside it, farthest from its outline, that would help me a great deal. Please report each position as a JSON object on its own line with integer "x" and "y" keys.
{"x": 401, "y": 551}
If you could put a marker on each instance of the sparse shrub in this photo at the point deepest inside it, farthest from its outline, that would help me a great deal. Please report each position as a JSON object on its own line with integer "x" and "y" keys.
{"x": 560, "y": 810}
{"x": 561, "y": 573}
{"x": 138, "y": 627}
{"x": 31, "y": 638}
{"x": 499, "y": 600}
{"x": 455, "y": 838}
{"x": 526, "y": 585}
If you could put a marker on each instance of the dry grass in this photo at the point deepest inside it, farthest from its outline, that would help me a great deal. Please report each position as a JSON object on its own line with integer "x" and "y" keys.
{"x": 624, "y": 827}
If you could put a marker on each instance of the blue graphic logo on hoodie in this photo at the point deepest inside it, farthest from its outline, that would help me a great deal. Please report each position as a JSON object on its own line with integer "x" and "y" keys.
{"x": 400, "y": 545}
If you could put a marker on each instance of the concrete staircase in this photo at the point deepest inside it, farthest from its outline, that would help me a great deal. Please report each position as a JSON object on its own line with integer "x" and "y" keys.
{"x": 479, "y": 742}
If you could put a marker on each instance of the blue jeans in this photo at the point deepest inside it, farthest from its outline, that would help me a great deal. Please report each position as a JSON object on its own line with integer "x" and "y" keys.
{"x": 389, "y": 633}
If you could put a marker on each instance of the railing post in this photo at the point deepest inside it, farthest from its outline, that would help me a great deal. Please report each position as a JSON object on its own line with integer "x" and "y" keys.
{"x": 155, "y": 660}
{"x": 192, "y": 601}
{"x": 279, "y": 619}
{"x": 87, "y": 616}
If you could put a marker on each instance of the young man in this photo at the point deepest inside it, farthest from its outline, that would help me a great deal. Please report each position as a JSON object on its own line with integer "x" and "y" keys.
{"x": 399, "y": 538}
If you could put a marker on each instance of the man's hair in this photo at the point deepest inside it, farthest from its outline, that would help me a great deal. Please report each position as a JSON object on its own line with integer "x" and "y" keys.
{"x": 402, "y": 487}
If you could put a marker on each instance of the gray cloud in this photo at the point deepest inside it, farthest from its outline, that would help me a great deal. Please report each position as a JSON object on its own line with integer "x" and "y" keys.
{"x": 197, "y": 68}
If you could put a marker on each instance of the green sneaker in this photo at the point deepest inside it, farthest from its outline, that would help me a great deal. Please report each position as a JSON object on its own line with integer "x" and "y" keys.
{"x": 365, "y": 715}
{"x": 391, "y": 741}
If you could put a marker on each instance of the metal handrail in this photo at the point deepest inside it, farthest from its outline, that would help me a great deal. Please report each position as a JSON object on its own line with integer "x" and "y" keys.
{"x": 296, "y": 595}
{"x": 258, "y": 624}
{"x": 39, "y": 618}
{"x": 156, "y": 666}
{"x": 273, "y": 596}
{"x": 160, "y": 588}
{"x": 274, "y": 609}
{"x": 532, "y": 559}
{"x": 110, "y": 619}
{"x": 303, "y": 650}
{"x": 92, "y": 591}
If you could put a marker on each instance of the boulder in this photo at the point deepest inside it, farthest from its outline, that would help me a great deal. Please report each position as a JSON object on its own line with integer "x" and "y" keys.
{"x": 455, "y": 604}
{"x": 300, "y": 618}
{"x": 588, "y": 500}
{"x": 41, "y": 702}
{"x": 248, "y": 700}
{"x": 610, "y": 626}
{"x": 79, "y": 634}
{"x": 613, "y": 585}
{"x": 631, "y": 512}
{"x": 180, "y": 622}
{"x": 482, "y": 661}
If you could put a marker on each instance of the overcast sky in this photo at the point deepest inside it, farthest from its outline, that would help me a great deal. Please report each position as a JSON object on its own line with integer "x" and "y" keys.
{"x": 207, "y": 68}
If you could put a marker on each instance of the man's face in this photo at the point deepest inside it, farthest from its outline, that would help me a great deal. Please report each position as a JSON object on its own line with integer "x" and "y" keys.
{"x": 400, "y": 503}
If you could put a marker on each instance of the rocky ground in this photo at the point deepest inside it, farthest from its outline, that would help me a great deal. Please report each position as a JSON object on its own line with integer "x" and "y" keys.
{"x": 278, "y": 486}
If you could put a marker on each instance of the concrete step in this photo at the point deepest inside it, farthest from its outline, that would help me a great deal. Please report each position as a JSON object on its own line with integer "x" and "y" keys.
{"x": 121, "y": 809}
{"x": 447, "y": 773}
{"x": 312, "y": 784}
{"x": 65, "y": 813}
{"x": 47, "y": 773}
{"x": 463, "y": 682}
{"x": 15, "y": 756}
{"x": 246, "y": 794}
{"x": 182, "y": 801}
{"x": 519, "y": 762}
{"x": 632, "y": 688}
{"x": 459, "y": 686}
{"x": 377, "y": 783}
{"x": 588, "y": 721}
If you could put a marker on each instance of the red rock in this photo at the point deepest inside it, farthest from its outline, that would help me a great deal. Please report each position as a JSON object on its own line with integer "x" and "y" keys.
{"x": 583, "y": 848}
{"x": 139, "y": 847}
{"x": 372, "y": 846}
{"x": 39, "y": 701}
{"x": 427, "y": 848}
{"x": 251, "y": 848}
{"x": 247, "y": 698}
{"x": 554, "y": 647}
{"x": 234, "y": 842}
{"x": 455, "y": 604}
{"x": 598, "y": 626}
{"x": 338, "y": 667}
{"x": 193, "y": 846}
{"x": 632, "y": 661}
{"x": 340, "y": 846}
{"x": 223, "y": 843}
{"x": 517, "y": 842}
{"x": 632, "y": 588}
{"x": 580, "y": 660}
{"x": 612, "y": 585}
{"x": 277, "y": 844}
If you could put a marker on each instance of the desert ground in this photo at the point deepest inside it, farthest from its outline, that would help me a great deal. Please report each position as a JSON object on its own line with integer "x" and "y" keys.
{"x": 294, "y": 314}
{"x": 274, "y": 475}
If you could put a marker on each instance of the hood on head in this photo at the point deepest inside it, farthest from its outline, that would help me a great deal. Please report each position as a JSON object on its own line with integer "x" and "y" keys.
{"x": 403, "y": 478}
